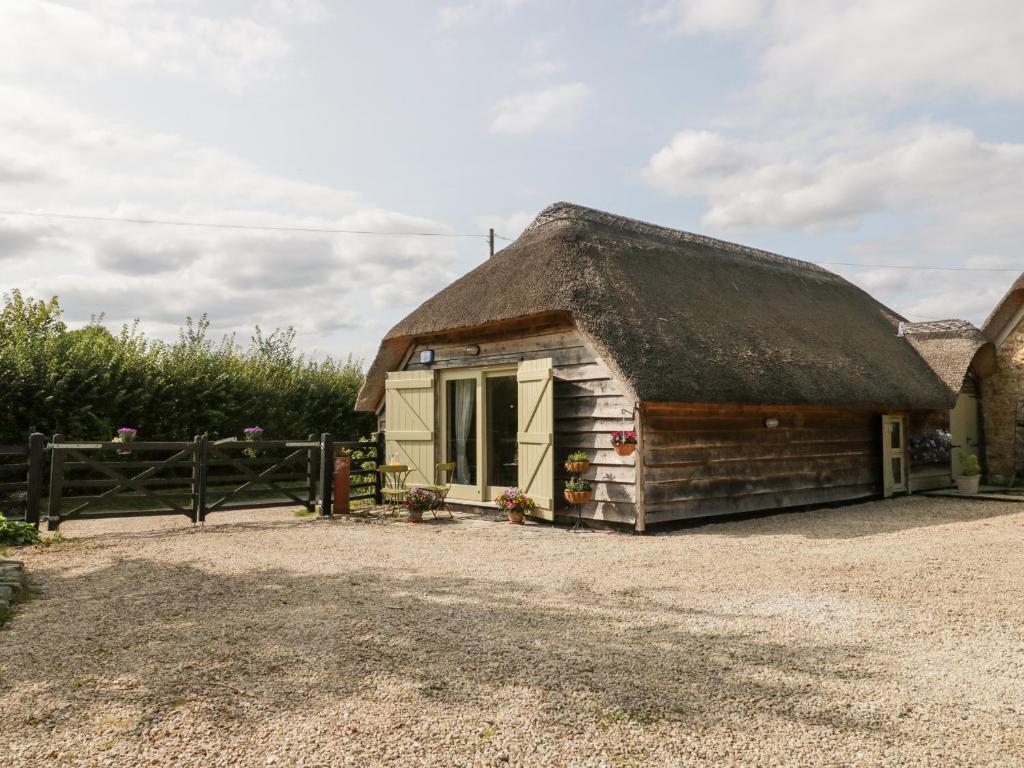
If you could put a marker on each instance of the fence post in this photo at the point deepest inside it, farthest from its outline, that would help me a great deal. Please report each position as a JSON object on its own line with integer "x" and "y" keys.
{"x": 199, "y": 465}
{"x": 312, "y": 472}
{"x": 380, "y": 445}
{"x": 326, "y": 475}
{"x": 56, "y": 484}
{"x": 36, "y": 461}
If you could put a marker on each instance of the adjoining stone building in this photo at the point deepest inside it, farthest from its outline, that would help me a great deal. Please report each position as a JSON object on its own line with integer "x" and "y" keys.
{"x": 1003, "y": 391}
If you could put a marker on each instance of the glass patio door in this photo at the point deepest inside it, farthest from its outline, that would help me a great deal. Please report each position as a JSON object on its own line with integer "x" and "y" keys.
{"x": 478, "y": 431}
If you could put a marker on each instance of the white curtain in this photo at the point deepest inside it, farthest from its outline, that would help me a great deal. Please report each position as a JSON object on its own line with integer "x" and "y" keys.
{"x": 465, "y": 407}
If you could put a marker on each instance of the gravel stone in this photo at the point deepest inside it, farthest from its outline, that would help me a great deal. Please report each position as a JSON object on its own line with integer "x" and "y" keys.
{"x": 880, "y": 634}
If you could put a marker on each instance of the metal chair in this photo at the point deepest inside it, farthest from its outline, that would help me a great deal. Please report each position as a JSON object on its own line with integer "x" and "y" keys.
{"x": 392, "y": 485}
{"x": 443, "y": 474}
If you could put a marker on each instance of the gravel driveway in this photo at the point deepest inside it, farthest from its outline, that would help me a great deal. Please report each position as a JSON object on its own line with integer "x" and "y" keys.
{"x": 889, "y": 633}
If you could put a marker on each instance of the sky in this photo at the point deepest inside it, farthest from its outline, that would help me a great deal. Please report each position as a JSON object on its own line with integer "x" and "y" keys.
{"x": 858, "y": 133}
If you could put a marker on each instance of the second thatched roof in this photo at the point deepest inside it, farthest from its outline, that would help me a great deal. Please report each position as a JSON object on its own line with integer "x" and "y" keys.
{"x": 950, "y": 346}
{"x": 685, "y": 318}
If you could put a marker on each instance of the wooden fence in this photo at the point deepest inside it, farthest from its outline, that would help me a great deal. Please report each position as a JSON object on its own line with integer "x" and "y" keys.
{"x": 90, "y": 480}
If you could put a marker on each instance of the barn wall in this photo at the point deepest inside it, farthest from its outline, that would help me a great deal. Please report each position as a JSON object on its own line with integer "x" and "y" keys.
{"x": 588, "y": 403}
{"x": 702, "y": 460}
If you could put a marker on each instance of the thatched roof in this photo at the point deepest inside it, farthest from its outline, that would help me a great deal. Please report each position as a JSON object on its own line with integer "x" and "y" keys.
{"x": 997, "y": 324}
{"x": 684, "y": 318}
{"x": 950, "y": 346}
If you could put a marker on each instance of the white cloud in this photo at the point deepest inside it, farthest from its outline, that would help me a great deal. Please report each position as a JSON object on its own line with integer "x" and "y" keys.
{"x": 90, "y": 39}
{"x": 552, "y": 110}
{"x": 925, "y": 168}
{"x": 321, "y": 283}
{"x": 454, "y": 15}
{"x": 507, "y": 225}
{"x": 868, "y": 53}
{"x": 697, "y": 16}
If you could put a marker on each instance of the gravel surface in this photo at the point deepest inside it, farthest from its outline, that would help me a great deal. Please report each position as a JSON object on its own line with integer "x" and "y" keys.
{"x": 887, "y": 633}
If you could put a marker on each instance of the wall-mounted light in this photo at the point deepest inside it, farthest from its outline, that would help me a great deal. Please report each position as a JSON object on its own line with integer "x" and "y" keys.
{"x": 771, "y": 422}
{"x": 472, "y": 349}
{"x": 427, "y": 356}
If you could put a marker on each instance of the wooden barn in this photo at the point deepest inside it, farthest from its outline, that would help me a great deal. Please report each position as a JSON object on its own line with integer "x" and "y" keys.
{"x": 754, "y": 381}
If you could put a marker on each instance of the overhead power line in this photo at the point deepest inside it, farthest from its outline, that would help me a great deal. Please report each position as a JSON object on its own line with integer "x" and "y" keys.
{"x": 210, "y": 225}
{"x": 483, "y": 236}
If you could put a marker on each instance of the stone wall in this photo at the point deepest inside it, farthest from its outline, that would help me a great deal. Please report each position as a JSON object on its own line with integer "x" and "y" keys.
{"x": 1000, "y": 394}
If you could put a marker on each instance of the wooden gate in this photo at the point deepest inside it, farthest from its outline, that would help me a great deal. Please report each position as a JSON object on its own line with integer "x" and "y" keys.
{"x": 90, "y": 480}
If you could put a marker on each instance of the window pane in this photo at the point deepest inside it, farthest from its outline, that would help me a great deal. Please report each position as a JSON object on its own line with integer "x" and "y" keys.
{"x": 502, "y": 424}
{"x": 897, "y": 470}
{"x": 897, "y": 437}
{"x": 461, "y": 429}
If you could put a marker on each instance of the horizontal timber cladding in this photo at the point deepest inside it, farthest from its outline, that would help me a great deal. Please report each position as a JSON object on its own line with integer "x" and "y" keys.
{"x": 702, "y": 460}
{"x": 588, "y": 403}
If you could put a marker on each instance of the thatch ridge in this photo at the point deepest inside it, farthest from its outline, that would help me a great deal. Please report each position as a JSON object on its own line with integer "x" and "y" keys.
{"x": 680, "y": 317}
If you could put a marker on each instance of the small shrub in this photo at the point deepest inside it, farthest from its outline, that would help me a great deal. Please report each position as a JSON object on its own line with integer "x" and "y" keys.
{"x": 577, "y": 456}
{"x": 16, "y": 534}
{"x": 969, "y": 465}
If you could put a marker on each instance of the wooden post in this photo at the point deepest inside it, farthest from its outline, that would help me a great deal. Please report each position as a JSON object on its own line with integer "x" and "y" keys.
{"x": 36, "y": 462}
{"x": 638, "y": 473}
{"x": 56, "y": 484}
{"x": 490, "y": 237}
{"x": 380, "y": 445}
{"x": 200, "y": 462}
{"x": 326, "y": 475}
{"x": 312, "y": 470}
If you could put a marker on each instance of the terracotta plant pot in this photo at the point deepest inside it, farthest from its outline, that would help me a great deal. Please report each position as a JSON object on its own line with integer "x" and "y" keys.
{"x": 577, "y": 467}
{"x": 516, "y": 518}
{"x": 625, "y": 449}
{"x": 578, "y": 497}
{"x": 415, "y": 516}
{"x": 968, "y": 483}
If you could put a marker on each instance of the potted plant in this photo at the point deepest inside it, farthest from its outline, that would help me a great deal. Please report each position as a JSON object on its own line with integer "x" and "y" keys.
{"x": 126, "y": 435}
{"x": 624, "y": 442}
{"x": 251, "y": 435}
{"x": 578, "y": 491}
{"x": 419, "y": 500}
{"x": 516, "y": 504}
{"x": 577, "y": 462}
{"x": 970, "y": 473}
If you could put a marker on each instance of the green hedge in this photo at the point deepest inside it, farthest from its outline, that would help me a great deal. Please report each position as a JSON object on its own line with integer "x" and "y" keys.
{"x": 86, "y": 383}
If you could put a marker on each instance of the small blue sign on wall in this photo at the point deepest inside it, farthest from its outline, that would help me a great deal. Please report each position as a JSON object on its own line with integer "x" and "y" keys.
{"x": 427, "y": 356}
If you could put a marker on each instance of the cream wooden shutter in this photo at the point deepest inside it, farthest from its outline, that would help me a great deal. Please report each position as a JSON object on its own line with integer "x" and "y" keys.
{"x": 409, "y": 403}
{"x": 536, "y": 425}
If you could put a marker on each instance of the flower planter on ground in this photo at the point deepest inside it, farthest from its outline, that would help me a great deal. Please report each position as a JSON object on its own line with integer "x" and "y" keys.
{"x": 968, "y": 483}
{"x": 516, "y": 504}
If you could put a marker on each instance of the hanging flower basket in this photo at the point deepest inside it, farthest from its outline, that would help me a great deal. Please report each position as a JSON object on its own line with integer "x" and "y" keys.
{"x": 126, "y": 435}
{"x": 578, "y": 491}
{"x": 577, "y": 462}
{"x": 624, "y": 442}
{"x": 578, "y": 497}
